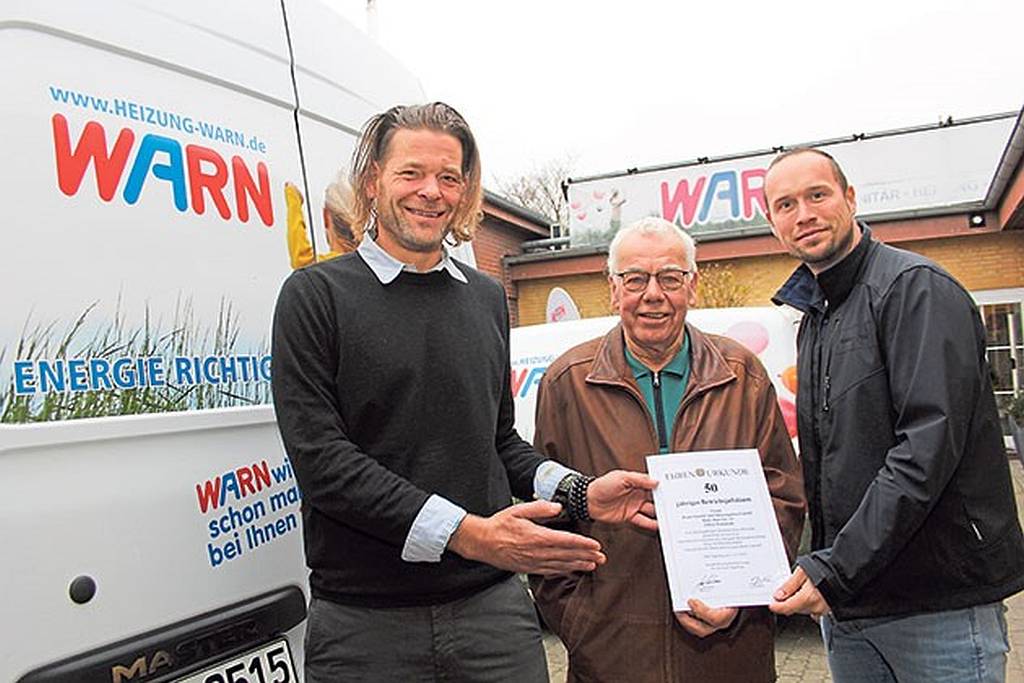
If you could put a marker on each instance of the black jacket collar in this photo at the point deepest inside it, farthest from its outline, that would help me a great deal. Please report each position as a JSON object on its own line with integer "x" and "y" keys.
{"x": 804, "y": 291}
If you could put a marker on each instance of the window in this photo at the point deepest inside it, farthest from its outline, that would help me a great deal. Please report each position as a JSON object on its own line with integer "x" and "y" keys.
{"x": 1005, "y": 348}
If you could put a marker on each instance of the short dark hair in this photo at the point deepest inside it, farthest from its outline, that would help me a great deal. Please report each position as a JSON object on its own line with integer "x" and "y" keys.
{"x": 373, "y": 147}
{"x": 836, "y": 171}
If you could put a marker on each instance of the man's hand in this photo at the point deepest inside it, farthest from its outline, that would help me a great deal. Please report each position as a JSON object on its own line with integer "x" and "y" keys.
{"x": 799, "y": 596}
{"x": 512, "y": 540}
{"x": 703, "y": 620}
{"x": 622, "y": 496}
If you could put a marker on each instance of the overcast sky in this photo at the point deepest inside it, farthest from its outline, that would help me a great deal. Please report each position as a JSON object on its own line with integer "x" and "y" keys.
{"x": 639, "y": 83}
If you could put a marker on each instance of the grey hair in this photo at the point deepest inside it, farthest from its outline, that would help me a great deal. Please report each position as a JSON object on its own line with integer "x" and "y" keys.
{"x": 338, "y": 200}
{"x": 338, "y": 196}
{"x": 652, "y": 225}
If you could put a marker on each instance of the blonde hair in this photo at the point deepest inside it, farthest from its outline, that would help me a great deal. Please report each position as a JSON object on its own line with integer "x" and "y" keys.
{"x": 372, "y": 149}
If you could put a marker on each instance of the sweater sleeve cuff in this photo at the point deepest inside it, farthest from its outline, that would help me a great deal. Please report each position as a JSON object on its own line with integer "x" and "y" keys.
{"x": 434, "y": 525}
{"x": 546, "y": 478}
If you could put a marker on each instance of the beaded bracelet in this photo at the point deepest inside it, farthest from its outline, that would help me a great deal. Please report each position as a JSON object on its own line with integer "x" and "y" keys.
{"x": 577, "y": 504}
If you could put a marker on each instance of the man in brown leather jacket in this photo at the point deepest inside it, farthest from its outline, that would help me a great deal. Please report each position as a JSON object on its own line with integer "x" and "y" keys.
{"x": 656, "y": 384}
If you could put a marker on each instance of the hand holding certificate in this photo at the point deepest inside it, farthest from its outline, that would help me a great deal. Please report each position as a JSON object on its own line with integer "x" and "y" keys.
{"x": 719, "y": 536}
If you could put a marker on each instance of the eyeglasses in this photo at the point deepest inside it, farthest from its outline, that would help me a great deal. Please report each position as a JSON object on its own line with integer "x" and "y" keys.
{"x": 669, "y": 279}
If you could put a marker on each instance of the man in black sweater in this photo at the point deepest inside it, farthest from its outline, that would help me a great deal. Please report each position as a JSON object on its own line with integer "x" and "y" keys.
{"x": 391, "y": 386}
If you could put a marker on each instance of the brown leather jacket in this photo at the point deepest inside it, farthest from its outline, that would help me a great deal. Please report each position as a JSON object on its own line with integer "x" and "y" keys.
{"x": 617, "y": 622}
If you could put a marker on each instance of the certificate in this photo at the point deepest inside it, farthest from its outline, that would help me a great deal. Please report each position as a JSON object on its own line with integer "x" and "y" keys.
{"x": 719, "y": 536}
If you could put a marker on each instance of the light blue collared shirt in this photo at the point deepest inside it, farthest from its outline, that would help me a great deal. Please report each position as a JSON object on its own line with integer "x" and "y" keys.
{"x": 386, "y": 267}
{"x": 438, "y": 519}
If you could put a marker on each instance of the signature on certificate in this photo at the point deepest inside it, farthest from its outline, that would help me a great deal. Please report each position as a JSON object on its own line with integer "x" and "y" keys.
{"x": 760, "y": 581}
{"x": 707, "y": 582}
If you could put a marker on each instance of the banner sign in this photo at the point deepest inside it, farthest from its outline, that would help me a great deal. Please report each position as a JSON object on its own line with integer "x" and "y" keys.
{"x": 902, "y": 172}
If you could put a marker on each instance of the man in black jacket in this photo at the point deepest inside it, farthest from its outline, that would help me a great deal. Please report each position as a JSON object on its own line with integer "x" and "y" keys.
{"x": 391, "y": 387}
{"x": 915, "y": 538}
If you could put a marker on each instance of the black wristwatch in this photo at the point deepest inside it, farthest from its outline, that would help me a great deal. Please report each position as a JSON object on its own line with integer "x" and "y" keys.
{"x": 571, "y": 493}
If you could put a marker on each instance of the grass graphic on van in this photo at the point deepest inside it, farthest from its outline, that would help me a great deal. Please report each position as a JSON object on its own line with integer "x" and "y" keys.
{"x": 126, "y": 370}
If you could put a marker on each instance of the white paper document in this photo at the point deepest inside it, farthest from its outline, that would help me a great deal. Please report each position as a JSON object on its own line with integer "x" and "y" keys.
{"x": 719, "y": 536}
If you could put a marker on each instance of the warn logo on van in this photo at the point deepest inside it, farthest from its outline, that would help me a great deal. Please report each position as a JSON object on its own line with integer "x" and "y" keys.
{"x": 195, "y": 174}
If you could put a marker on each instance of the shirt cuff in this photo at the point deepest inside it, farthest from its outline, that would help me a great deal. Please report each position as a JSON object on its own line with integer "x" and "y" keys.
{"x": 546, "y": 478}
{"x": 433, "y": 527}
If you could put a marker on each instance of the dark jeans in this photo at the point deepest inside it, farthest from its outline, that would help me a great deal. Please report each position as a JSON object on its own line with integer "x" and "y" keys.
{"x": 490, "y": 636}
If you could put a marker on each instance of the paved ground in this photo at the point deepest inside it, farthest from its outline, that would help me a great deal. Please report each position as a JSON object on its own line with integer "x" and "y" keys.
{"x": 799, "y": 656}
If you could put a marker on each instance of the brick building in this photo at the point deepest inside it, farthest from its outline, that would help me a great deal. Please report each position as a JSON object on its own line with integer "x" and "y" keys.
{"x": 953, "y": 192}
{"x": 503, "y": 231}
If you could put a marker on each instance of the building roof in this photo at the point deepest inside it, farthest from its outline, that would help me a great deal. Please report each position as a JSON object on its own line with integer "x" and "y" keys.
{"x": 497, "y": 206}
{"x": 1005, "y": 193}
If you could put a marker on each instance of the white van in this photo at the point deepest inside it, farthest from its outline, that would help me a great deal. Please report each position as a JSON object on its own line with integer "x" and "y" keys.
{"x": 149, "y": 519}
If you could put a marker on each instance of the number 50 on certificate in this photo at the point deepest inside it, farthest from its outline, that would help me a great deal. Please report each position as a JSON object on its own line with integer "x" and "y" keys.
{"x": 719, "y": 536}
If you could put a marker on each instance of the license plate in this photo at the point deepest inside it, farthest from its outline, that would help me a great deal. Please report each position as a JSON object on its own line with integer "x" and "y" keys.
{"x": 272, "y": 663}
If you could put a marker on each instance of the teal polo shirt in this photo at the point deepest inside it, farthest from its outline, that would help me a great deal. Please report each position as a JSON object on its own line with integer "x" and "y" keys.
{"x": 663, "y": 390}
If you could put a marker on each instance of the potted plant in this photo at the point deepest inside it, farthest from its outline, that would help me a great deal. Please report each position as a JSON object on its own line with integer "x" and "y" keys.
{"x": 1015, "y": 411}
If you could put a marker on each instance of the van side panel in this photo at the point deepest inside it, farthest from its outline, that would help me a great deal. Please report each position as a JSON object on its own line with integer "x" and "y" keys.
{"x": 148, "y": 237}
{"x": 144, "y": 244}
{"x": 169, "y": 515}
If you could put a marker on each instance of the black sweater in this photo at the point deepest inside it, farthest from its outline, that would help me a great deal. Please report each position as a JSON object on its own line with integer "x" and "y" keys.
{"x": 386, "y": 394}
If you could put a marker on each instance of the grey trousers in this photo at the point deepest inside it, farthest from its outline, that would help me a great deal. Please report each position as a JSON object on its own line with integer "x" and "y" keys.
{"x": 490, "y": 636}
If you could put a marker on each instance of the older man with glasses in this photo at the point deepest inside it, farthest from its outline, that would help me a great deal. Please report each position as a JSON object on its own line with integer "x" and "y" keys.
{"x": 656, "y": 384}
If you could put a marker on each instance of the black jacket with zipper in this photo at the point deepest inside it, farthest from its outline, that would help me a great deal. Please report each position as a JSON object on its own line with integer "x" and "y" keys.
{"x": 908, "y": 485}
